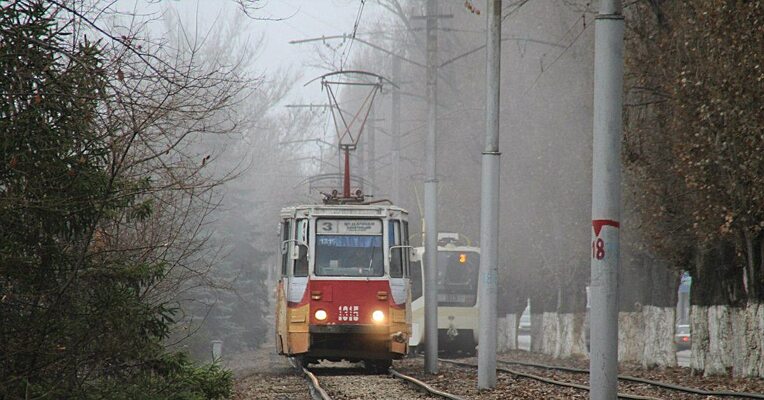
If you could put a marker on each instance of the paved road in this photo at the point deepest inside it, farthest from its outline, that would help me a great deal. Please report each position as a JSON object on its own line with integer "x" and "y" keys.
{"x": 683, "y": 358}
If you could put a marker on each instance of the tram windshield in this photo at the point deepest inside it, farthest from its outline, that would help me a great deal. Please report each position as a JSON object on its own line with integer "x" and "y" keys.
{"x": 349, "y": 255}
{"x": 457, "y": 278}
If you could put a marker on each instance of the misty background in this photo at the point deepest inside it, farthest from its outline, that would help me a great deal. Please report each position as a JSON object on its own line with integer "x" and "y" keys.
{"x": 285, "y": 139}
{"x": 546, "y": 128}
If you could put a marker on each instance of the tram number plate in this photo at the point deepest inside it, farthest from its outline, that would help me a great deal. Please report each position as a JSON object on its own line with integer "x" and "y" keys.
{"x": 347, "y": 313}
{"x": 453, "y": 298}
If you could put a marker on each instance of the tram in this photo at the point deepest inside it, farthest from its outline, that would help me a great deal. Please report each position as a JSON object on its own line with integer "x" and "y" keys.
{"x": 458, "y": 306}
{"x": 344, "y": 289}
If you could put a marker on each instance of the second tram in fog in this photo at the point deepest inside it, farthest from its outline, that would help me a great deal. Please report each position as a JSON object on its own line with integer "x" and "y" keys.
{"x": 457, "y": 279}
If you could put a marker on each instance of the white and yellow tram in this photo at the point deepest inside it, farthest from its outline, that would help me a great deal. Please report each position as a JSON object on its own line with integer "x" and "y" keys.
{"x": 457, "y": 278}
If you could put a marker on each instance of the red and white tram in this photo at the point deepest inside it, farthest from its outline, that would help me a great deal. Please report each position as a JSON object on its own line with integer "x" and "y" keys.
{"x": 344, "y": 288}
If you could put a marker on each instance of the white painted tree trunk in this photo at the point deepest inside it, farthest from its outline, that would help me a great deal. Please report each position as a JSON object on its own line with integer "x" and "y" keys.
{"x": 511, "y": 324}
{"x": 658, "y": 337}
{"x": 719, "y": 355}
{"x": 572, "y": 339}
{"x": 712, "y": 339}
{"x": 699, "y": 332}
{"x": 738, "y": 340}
{"x": 631, "y": 344}
{"x": 726, "y": 337}
{"x": 747, "y": 340}
{"x": 537, "y": 332}
{"x": 507, "y": 331}
{"x": 501, "y": 334}
{"x": 550, "y": 333}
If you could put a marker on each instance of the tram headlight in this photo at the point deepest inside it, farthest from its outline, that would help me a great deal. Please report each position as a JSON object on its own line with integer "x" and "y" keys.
{"x": 320, "y": 315}
{"x": 378, "y": 316}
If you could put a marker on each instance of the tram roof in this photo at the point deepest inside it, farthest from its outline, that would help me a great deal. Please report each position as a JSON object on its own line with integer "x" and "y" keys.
{"x": 342, "y": 210}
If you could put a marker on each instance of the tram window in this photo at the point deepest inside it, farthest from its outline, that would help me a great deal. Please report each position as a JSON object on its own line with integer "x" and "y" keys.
{"x": 301, "y": 265}
{"x": 416, "y": 280}
{"x": 457, "y": 278}
{"x": 301, "y": 236}
{"x": 396, "y": 259}
{"x": 284, "y": 247}
{"x": 349, "y": 255}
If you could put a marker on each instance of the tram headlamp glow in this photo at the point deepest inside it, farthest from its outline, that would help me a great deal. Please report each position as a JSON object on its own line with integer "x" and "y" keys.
{"x": 320, "y": 315}
{"x": 378, "y": 316}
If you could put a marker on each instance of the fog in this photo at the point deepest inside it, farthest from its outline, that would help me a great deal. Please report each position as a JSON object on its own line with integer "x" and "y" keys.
{"x": 149, "y": 147}
{"x": 288, "y": 138}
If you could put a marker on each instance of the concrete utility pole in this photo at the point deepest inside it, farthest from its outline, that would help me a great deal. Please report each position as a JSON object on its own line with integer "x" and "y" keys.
{"x": 396, "y": 130}
{"x": 606, "y": 199}
{"x": 431, "y": 197}
{"x": 489, "y": 202}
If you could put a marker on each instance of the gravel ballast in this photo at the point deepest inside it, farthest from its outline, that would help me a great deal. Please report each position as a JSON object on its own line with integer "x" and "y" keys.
{"x": 272, "y": 378}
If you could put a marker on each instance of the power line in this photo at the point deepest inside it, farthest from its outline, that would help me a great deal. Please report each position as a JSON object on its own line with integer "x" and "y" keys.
{"x": 355, "y": 31}
{"x": 572, "y": 42}
{"x": 514, "y": 10}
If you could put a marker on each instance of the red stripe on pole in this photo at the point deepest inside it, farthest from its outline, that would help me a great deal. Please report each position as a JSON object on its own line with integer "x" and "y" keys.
{"x": 597, "y": 224}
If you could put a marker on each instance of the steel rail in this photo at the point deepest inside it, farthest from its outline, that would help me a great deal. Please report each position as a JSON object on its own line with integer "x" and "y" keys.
{"x": 665, "y": 385}
{"x": 424, "y": 386}
{"x": 316, "y": 391}
{"x": 551, "y": 381}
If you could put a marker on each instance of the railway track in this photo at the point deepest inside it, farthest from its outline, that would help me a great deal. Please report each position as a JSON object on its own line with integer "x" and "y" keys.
{"x": 316, "y": 391}
{"x": 334, "y": 383}
{"x": 424, "y": 386}
{"x": 663, "y": 389}
{"x": 627, "y": 378}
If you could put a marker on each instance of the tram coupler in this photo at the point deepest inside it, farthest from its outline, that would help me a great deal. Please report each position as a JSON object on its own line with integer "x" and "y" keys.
{"x": 452, "y": 332}
{"x": 399, "y": 337}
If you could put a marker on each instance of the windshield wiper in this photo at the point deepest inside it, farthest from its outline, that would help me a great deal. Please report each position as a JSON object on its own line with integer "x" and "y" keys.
{"x": 371, "y": 258}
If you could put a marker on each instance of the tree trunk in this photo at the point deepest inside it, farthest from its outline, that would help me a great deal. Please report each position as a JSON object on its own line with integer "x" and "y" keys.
{"x": 754, "y": 254}
{"x": 562, "y": 326}
{"x": 716, "y": 297}
{"x": 748, "y": 337}
{"x": 512, "y": 306}
{"x": 572, "y": 335}
{"x": 630, "y": 343}
{"x": 507, "y": 333}
{"x": 658, "y": 350}
{"x": 659, "y": 315}
{"x": 537, "y": 320}
{"x": 631, "y": 297}
{"x": 571, "y": 313}
{"x": 647, "y": 308}
{"x": 501, "y": 334}
{"x": 542, "y": 303}
{"x": 549, "y": 333}
{"x": 747, "y": 340}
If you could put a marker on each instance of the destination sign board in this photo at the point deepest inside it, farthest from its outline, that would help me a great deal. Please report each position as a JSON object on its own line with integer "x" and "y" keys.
{"x": 349, "y": 226}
